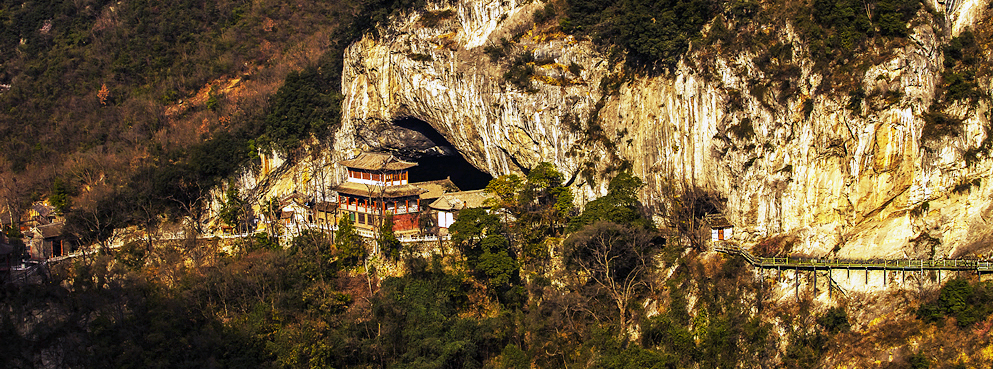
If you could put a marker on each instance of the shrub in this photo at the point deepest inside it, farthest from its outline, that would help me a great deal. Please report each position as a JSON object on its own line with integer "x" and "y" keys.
{"x": 542, "y": 15}
{"x": 520, "y": 72}
{"x": 431, "y": 19}
{"x": 834, "y": 320}
{"x": 959, "y": 85}
{"x": 575, "y": 69}
{"x": 652, "y": 32}
{"x": 966, "y": 302}
{"x": 497, "y": 51}
{"x": 420, "y": 57}
{"x": 743, "y": 130}
{"x": 938, "y": 125}
{"x": 855, "y": 99}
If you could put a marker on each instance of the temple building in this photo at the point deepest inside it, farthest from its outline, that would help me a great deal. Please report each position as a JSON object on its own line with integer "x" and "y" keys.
{"x": 378, "y": 184}
{"x": 447, "y": 207}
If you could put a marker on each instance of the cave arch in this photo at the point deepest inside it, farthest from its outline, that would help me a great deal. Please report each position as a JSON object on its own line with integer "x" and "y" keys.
{"x": 444, "y": 161}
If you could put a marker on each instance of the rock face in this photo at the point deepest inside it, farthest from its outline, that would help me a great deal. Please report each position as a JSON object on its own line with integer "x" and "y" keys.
{"x": 858, "y": 184}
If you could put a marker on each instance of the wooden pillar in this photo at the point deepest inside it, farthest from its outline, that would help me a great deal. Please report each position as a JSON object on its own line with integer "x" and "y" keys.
{"x": 829, "y": 282}
{"x": 796, "y": 285}
{"x": 866, "y": 275}
{"x": 815, "y": 282}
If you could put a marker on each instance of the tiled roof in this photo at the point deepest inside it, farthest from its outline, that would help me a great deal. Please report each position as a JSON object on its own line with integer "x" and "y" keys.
{"x": 377, "y": 161}
{"x": 718, "y": 221}
{"x": 436, "y": 188}
{"x": 42, "y": 209}
{"x": 51, "y": 230}
{"x": 358, "y": 189}
{"x": 461, "y": 200}
{"x": 326, "y": 207}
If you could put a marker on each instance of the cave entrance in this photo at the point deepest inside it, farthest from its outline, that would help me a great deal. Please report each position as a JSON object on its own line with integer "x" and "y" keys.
{"x": 443, "y": 162}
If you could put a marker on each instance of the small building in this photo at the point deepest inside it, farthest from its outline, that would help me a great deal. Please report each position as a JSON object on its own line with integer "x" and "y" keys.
{"x": 41, "y": 213}
{"x": 47, "y": 242}
{"x": 294, "y": 211}
{"x": 448, "y": 205}
{"x": 720, "y": 228}
{"x": 324, "y": 213}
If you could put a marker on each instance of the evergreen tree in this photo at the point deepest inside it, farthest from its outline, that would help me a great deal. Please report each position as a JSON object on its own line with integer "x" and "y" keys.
{"x": 387, "y": 240}
{"x": 348, "y": 243}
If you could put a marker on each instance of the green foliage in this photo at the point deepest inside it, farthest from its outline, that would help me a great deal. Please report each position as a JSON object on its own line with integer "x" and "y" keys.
{"x": 59, "y": 197}
{"x": 263, "y": 241}
{"x": 723, "y": 333}
{"x": 834, "y": 320}
{"x": 967, "y": 302}
{"x": 541, "y": 208}
{"x": 892, "y": 16}
{"x": 743, "y": 130}
{"x": 958, "y": 80}
{"x": 805, "y": 350}
{"x": 960, "y": 86}
{"x": 495, "y": 263}
{"x": 620, "y": 205}
{"x": 520, "y": 71}
{"x": 351, "y": 250}
{"x": 479, "y": 235}
{"x": 431, "y": 19}
{"x": 472, "y": 225}
{"x": 498, "y": 51}
{"x": 616, "y": 355}
{"x": 962, "y": 51}
{"x": 387, "y": 239}
{"x": 652, "y": 32}
{"x": 310, "y": 253}
{"x": 937, "y": 125}
{"x": 544, "y": 14}
{"x": 919, "y": 361}
{"x": 132, "y": 255}
{"x": 306, "y": 105}
{"x": 855, "y": 99}
{"x": 231, "y": 212}
{"x": 610, "y": 251}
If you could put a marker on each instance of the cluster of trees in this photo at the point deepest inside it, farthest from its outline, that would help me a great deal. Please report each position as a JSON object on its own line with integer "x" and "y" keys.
{"x": 117, "y": 84}
{"x": 967, "y": 302}
{"x": 958, "y": 83}
{"x": 499, "y": 301}
{"x": 654, "y": 33}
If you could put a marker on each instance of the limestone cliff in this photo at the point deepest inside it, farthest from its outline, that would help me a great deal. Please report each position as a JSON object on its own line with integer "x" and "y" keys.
{"x": 808, "y": 165}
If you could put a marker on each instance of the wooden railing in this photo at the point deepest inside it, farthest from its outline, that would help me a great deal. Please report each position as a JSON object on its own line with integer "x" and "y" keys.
{"x": 979, "y": 266}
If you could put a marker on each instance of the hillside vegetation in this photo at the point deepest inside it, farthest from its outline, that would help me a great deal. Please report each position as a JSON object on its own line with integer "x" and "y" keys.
{"x": 129, "y": 113}
{"x": 141, "y": 107}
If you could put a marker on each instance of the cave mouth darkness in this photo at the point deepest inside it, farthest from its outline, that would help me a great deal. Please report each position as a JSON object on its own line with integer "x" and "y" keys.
{"x": 431, "y": 168}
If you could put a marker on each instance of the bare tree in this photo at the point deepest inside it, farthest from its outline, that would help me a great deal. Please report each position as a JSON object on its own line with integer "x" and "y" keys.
{"x": 11, "y": 194}
{"x": 685, "y": 206}
{"x": 614, "y": 259}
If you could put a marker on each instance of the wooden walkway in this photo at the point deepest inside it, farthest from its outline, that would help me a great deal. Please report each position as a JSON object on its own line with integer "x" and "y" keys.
{"x": 977, "y": 266}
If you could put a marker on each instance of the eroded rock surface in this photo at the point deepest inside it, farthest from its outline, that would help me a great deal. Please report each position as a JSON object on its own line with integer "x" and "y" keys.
{"x": 859, "y": 184}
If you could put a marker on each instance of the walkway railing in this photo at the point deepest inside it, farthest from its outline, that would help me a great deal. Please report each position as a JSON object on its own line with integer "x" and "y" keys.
{"x": 823, "y": 264}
